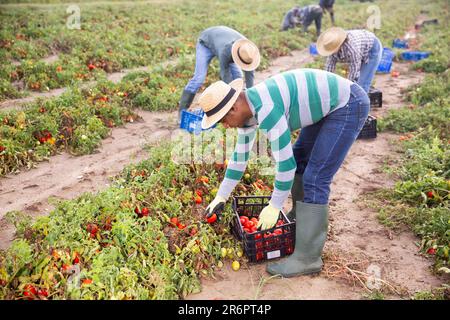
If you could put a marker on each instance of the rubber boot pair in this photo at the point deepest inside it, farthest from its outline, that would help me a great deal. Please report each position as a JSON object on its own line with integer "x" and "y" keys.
{"x": 297, "y": 194}
{"x": 185, "y": 102}
{"x": 310, "y": 235}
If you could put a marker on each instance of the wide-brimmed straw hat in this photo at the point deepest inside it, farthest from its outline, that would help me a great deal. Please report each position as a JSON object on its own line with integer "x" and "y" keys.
{"x": 330, "y": 41}
{"x": 217, "y": 100}
{"x": 245, "y": 54}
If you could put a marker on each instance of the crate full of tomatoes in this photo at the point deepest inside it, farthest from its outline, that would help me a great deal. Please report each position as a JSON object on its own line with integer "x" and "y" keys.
{"x": 261, "y": 245}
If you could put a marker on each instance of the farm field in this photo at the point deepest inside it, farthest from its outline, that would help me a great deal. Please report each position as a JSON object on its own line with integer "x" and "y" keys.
{"x": 88, "y": 183}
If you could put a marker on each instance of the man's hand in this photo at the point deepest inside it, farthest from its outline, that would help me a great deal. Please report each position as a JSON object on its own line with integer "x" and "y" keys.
{"x": 268, "y": 217}
{"x": 216, "y": 206}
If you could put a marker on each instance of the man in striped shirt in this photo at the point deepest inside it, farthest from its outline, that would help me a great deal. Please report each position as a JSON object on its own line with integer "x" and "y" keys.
{"x": 361, "y": 49}
{"x": 329, "y": 110}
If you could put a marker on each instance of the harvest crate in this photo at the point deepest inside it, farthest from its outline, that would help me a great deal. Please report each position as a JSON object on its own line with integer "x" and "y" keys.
{"x": 192, "y": 120}
{"x": 386, "y": 61}
{"x": 376, "y": 98}
{"x": 415, "y": 55}
{"x": 262, "y": 245}
{"x": 313, "y": 49}
{"x": 369, "y": 131}
{"x": 402, "y": 44}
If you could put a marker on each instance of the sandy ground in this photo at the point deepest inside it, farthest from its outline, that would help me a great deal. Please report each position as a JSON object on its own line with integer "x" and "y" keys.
{"x": 354, "y": 230}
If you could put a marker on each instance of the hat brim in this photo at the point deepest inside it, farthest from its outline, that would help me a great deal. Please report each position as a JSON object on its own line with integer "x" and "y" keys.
{"x": 341, "y": 35}
{"x": 245, "y": 66}
{"x": 208, "y": 122}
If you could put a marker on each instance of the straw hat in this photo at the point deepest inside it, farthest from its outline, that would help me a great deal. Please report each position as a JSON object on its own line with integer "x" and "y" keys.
{"x": 218, "y": 99}
{"x": 330, "y": 41}
{"x": 245, "y": 54}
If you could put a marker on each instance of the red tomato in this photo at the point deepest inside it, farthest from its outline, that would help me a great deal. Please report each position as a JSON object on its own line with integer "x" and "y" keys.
{"x": 245, "y": 219}
{"x": 92, "y": 228}
{"x": 199, "y": 192}
{"x": 242, "y": 220}
{"x": 246, "y": 230}
{"x": 212, "y": 219}
{"x": 278, "y": 231}
{"x": 198, "y": 199}
{"x": 43, "y": 292}
{"x": 253, "y": 229}
{"x": 174, "y": 221}
{"x": 254, "y": 220}
{"x": 144, "y": 211}
{"x": 181, "y": 226}
{"x": 430, "y": 194}
{"x": 249, "y": 224}
{"x": 30, "y": 289}
{"x": 258, "y": 236}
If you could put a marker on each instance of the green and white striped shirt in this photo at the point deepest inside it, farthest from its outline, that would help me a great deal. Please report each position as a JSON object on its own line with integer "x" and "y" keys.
{"x": 281, "y": 104}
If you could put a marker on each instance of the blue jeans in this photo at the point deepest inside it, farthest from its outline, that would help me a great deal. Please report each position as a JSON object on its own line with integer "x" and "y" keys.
{"x": 368, "y": 69}
{"x": 203, "y": 57}
{"x": 322, "y": 147}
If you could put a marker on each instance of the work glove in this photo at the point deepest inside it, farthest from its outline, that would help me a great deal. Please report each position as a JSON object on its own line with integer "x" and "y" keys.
{"x": 268, "y": 217}
{"x": 216, "y": 206}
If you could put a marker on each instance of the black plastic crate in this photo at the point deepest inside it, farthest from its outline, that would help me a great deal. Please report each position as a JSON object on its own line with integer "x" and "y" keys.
{"x": 369, "y": 131}
{"x": 265, "y": 244}
{"x": 376, "y": 98}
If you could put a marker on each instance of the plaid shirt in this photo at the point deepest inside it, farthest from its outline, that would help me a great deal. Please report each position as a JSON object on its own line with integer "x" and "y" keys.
{"x": 355, "y": 51}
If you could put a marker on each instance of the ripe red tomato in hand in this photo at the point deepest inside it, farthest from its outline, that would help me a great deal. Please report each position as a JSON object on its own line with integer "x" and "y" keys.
{"x": 212, "y": 219}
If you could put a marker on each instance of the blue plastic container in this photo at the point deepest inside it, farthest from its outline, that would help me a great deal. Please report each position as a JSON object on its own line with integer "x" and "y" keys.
{"x": 402, "y": 44}
{"x": 313, "y": 49}
{"x": 415, "y": 55}
{"x": 386, "y": 61}
{"x": 191, "y": 121}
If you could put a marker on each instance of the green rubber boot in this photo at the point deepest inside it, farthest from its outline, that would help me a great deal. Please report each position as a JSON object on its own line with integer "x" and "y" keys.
{"x": 185, "y": 102}
{"x": 297, "y": 195}
{"x": 311, "y": 233}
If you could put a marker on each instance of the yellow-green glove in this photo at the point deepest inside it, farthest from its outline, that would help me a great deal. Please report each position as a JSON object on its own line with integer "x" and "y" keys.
{"x": 268, "y": 217}
{"x": 216, "y": 206}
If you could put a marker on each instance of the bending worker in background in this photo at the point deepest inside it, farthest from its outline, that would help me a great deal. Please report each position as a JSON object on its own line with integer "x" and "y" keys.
{"x": 329, "y": 109}
{"x": 361, "y": 49}
{"x": 291, "y": 19}
{"x": 309, "y": 14}
{"x": 234, "y": 51}
{"x": 327, "y": 5}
